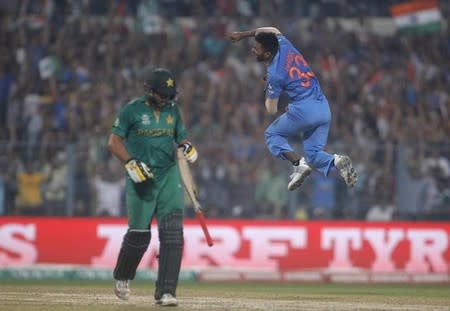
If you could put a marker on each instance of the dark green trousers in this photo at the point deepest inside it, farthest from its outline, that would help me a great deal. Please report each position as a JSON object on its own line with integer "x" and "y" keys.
{"x": 157, "y": 197}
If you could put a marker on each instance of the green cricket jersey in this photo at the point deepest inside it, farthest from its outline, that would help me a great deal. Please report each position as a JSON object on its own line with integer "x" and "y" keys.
{"x": 149, "y": 133}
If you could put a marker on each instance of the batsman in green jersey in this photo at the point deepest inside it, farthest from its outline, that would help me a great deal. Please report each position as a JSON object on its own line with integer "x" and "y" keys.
{"x": 143, "y": 138}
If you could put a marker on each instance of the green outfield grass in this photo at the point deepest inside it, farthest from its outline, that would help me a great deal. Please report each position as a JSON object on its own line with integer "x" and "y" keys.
{"x": 86, "y": 296}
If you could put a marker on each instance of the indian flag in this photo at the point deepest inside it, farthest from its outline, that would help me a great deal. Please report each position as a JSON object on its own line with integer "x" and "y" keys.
{"x": 417, "y": 16}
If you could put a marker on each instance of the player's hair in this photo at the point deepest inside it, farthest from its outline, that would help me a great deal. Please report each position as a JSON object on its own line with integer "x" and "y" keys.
{"x": 268, "y": 41}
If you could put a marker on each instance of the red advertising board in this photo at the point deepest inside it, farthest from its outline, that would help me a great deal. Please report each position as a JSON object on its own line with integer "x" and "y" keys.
{"x": 271, "y": 246}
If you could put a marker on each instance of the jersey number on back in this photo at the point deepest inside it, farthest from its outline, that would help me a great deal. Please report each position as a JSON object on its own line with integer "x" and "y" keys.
{"x": 296, "y": 72}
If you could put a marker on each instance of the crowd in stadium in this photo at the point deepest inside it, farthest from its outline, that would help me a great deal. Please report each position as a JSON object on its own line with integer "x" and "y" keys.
{"x": 66, "y": 67}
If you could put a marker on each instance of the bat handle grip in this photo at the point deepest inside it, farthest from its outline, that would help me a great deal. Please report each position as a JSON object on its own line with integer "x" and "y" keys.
{"x": 202, "y": 221}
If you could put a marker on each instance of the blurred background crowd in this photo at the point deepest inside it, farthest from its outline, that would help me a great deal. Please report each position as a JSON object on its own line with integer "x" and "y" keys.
{"x": 67, "y": 67}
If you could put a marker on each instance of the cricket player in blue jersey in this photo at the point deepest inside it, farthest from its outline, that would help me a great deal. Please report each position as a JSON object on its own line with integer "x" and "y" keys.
{"x": 308, "y": 111}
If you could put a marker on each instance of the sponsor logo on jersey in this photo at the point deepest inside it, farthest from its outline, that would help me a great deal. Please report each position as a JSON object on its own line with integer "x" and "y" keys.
{"x": 155, "y": 132}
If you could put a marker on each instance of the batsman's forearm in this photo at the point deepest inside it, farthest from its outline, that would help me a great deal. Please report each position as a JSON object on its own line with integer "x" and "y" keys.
{"x": 117, "y": 148}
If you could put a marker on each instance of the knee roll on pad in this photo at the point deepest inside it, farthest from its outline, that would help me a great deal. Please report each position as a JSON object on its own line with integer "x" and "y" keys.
{"x": 173, "y": 221}
{"x": 134, "y": 245}
{"x": 170, "y": 253}
{"x": 137, "y": 239}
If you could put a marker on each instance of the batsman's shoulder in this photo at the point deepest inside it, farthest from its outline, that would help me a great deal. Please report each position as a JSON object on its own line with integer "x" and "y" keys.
{"x": 174, "y": 106}
{"x": 131, "y": 105}
{"x": 137, "y": 100}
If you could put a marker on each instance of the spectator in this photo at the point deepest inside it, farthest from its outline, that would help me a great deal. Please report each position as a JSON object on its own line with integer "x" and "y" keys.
{"x": 55, "y": 192}
{"x": 110, "y": 189}
{"x": 323, "y": 197}
{"x": 383, "y": 211}
{"x": 388, "y": 94}
{"x": 30, "y": 183}
{"x": 270, "y": 193}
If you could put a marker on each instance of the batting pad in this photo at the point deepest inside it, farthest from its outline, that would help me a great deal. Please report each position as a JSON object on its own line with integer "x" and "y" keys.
{"x": 134, "y": 245}
{"x": 170, "y": 252}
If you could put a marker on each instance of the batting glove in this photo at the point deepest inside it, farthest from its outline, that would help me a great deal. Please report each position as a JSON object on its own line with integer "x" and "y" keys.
{"x": 138, "y": 171}
{"x": 189, "y": 152}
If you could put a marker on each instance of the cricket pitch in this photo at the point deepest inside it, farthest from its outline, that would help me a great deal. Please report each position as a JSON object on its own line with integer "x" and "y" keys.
{"x": 87, "y": 296}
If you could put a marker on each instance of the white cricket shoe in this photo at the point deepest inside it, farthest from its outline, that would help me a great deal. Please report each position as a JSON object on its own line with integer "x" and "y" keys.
{"x": 345, "y": 168}
{"x": 299, "y": 175}
{"x": 122, "y": 289}
{"x": 167, "y": 300}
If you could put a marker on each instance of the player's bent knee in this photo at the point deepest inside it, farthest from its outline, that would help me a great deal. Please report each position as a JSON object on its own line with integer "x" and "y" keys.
{"x": 138, "y": 239}
{"x": 171, "y": 229}
{"x": 271, "y": 143}
{"x": 268, "y": 134}
{"x": 134, "y": 245}
{"x": 310, "y": 156}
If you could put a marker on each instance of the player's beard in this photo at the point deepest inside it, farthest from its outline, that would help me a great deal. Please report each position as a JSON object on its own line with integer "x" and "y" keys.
{"x": 155, "y": 102}
{"x": 260, "y": 58}
{"x": 161, "y": 104}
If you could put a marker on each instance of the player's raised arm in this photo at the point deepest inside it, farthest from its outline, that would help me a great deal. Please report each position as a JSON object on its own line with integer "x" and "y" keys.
{"x": 239, "y": 35}
{"x": 268, "y": 30}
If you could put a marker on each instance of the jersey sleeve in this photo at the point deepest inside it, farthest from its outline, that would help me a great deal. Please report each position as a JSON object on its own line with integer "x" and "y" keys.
{"x": 122, "y": 122}
{"x": 284, "y": 43}
{"x": 273, "y": 86}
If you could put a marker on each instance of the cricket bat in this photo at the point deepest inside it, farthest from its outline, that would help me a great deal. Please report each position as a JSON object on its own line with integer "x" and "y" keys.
{"x": 191, "y": 189}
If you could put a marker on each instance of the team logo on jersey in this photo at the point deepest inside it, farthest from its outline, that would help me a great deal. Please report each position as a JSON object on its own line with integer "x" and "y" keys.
{"x": 169, "y": 82}
{"x": 145, "y": 119}
{"x": 169, "y": 119}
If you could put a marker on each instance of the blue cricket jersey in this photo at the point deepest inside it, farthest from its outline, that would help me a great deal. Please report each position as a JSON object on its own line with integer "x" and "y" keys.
{"x": 290, "y": 73}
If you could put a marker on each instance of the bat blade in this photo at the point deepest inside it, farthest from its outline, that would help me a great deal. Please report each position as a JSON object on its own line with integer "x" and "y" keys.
{"x": 191, "y": 189}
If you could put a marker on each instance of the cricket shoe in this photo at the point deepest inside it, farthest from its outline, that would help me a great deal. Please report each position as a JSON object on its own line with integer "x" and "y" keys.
{"x": 167, "y": 300}
{"x": 301, "y": 171}
{"x": 122, "y": 289}
{"x": 345, "y": 168}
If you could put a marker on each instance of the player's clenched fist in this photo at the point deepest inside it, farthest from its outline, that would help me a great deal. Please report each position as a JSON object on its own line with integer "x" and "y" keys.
{"x": 235, "y": 36}
{"x": 189, "y": 152}
{"x": 138, "y": 171}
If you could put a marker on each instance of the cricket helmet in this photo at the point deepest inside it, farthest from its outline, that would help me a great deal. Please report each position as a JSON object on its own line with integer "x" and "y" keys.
{"x": 161, "y": 81}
